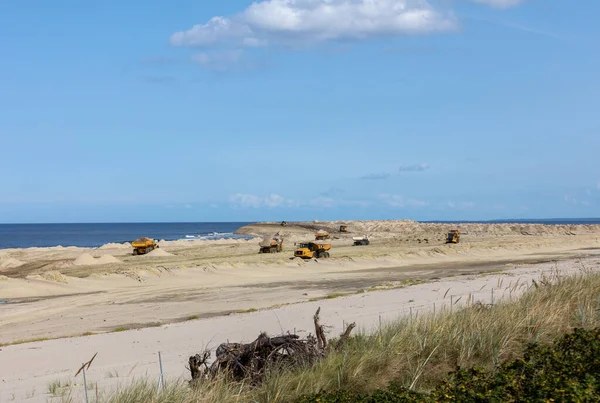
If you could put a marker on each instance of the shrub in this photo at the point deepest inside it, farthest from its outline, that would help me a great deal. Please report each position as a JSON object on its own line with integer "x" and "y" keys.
{"x": 567, "y": 371}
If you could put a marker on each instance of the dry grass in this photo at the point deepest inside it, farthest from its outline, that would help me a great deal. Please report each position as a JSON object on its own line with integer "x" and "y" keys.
{"x": 416, "y": 354}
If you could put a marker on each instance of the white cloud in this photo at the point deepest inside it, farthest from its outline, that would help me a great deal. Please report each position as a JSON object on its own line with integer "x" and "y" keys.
{"x": 289, "y": 22}
{"x": 253, "y": 201}
{"x": 500, "y": 3}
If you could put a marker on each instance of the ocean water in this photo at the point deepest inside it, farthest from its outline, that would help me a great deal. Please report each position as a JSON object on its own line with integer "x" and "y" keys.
{"x": 94, "y": 235}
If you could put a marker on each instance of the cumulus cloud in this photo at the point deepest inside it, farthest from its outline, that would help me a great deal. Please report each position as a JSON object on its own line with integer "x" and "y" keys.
{"x": 288, "y": 22}
{"x": 254, "y": 201}
{"x": 500, "y": 3}
{"x": 414, "y": 168}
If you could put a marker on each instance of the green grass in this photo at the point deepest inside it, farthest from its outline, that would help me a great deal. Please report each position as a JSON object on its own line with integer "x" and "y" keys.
{"x": 415, "y": 354}
{"x": 59, "y": 388}
{"x": 25, "y": 341}
{"x": 247, "y": 310}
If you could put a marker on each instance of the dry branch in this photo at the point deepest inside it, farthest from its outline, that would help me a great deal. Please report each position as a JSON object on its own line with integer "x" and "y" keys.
{"x": 253, "y": 360}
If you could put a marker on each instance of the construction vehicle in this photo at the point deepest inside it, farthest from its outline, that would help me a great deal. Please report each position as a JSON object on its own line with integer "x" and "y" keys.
{"x": 284, "y": 224}
{"x": 453, "y": 236}
{"x": 343, "y": 228}
{"x": 143, "y": 245}
{"x": 322, "y": 235}
{"x": 274, "y": 245}
{"x": 310, "y": 250}
{"x": 361, "y": 240}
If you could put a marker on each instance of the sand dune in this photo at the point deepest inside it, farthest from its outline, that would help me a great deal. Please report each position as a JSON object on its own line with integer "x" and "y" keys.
{"x": 109, "y": 287}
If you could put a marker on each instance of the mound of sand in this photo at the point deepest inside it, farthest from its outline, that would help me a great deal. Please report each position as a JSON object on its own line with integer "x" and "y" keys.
{"x": 85, "y": 260}
{"x": 10, "y": 263}
{"x": 159, "y": 253}
{"x": 107, "y": 259}
{"x": 88, "y": 260}
{"x": 3, "y": 278}
{"x": 55, "y": 276}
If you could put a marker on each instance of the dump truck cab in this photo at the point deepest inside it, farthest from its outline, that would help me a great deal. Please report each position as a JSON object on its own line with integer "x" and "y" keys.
{"x": 310, "y": 250}
{"x": 143, "y": 245}
{"x": 453, "y": 236}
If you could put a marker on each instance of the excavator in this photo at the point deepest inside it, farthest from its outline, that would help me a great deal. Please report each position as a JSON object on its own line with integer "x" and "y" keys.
{"x": 453, "y": 236}
{"x": 343, "y": 228}
{"x": 143, "y": 245}
{"x": 310, "y": 250}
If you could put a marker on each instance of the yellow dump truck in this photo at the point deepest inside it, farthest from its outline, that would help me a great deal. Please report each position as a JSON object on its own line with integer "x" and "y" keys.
{"x": 322, "y": 235}
{"x": 310, "y": 250}
{"x": 453, "y": 236}
{"x": 271, "y": 246}
{"x": 143, "y": 245}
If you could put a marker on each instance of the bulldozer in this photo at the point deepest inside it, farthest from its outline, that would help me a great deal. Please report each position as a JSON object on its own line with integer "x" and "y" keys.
{"x": 343, "y": 228}
{"x": 310, "y": 250}
{"x": 453, "y": 236}
{"x": 143, "y": 245}
{"x": 275, "y": 245}
{"x": 322, "y": 235}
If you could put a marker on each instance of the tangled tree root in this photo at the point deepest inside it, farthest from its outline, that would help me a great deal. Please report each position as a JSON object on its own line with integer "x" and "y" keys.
{"x": 253, "y": 360}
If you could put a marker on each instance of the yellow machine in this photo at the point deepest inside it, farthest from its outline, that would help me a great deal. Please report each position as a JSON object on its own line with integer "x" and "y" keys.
{"x": 284, "y": 223}
{"x": 143, "y": 245}
{"x": 343, "y": 228}
{"x": 311, "y": 250}
{"x": 272, "y": 246}
{"x": 453, "y": 236}
{"x": 322, "y": 235}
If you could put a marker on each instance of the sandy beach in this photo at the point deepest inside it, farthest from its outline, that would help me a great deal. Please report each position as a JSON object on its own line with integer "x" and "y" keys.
{"x": 189, "y": 294}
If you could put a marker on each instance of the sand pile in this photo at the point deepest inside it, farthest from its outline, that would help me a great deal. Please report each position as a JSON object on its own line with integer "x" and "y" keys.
{"x": 88, "y": 260}
{"x": 55, "y": 276}
{"x": 3, "y": 278}
{"x": 10, "y": 263}
{"x": 159, "y": 253}
{"x": 107, "y": 259}
{"x": 85, "y": 260}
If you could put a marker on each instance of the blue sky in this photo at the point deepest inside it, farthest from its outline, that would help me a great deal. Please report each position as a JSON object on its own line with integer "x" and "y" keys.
{"x": 298, "y": 109}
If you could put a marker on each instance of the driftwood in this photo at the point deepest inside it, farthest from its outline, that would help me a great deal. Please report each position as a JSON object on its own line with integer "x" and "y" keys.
{"x": 253, "y": 360}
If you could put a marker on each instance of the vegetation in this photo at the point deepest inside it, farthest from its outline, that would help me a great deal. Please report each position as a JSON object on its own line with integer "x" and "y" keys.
{"x": 568, "y": 371}
{"x": 414, "y": 357}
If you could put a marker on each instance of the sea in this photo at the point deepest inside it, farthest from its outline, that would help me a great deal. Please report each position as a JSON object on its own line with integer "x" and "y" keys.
{"x": 95, "y": 235}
